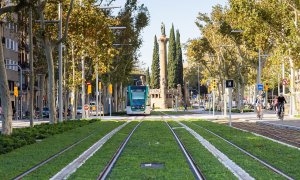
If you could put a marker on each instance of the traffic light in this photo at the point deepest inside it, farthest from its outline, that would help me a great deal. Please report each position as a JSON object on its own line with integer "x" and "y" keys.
{"x": 16, "y": 92}
{"x": 100, "y": 86}
{"x": 110, "y": 88}
{"x": 214, "y": 84}
{"x": 89, "y": 90}
{"x": 266, "y": 87}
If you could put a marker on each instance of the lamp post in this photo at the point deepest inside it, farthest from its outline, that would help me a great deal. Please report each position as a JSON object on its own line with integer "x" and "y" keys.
{"x": 198, "y": 89}
{"x": 21, "y": 86}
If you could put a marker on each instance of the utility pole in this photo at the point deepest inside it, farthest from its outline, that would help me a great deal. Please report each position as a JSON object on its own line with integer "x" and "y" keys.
{"x": 83, "y": 87}
{"x": 60, "y": 69}
{"x": 283, "y": 76}
{"x": 97, "y": 90}
{"x": 198, "y": 88}
{"x": 31, "y": 73}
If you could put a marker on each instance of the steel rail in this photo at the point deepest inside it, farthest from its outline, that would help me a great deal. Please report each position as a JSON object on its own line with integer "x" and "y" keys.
{"x": 247, "y": 153}
{"x": 20, "y": 176}
{"x": 103, "y": 175}
{"x": 193, "y": 166}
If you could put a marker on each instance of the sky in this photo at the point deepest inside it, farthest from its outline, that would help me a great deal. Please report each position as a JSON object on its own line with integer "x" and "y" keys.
{"x": 182, "y": 14}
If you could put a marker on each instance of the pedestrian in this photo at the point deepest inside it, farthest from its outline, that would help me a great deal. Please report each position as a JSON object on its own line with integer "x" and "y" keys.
{"x": 275, "y": 102}
{"x": 0, "y": 112}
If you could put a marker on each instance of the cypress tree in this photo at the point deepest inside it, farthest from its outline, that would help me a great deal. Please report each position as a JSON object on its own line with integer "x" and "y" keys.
{"x": 179, "y": 59}
{"x": 172, "y": 59}
{"x": 147, "y": 76}
{"x": 155, "y": 67}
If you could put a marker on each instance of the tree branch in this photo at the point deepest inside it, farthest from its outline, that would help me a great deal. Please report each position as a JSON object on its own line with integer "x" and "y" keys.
{"x": 21, "y": 5}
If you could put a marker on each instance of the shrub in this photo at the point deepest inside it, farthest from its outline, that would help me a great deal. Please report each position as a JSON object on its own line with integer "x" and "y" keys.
{"x": 24, "y": 136}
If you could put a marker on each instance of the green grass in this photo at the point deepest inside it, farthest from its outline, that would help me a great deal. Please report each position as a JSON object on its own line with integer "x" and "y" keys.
{"x": 93, "y": 166}
{"x": 20, "y": 160}
{"x": 208, "y": 164}
{"x": 51, "y": 168}
{"x": 254, "y": 168}
{"x": 282, "y": 157}
{"x": 152, "y": 142}
{"x": 297, "y": 116}
{"x": 25, "y": 136}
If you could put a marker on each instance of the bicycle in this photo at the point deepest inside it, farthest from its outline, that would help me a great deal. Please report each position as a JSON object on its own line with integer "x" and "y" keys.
{"x": 280, "y": 112}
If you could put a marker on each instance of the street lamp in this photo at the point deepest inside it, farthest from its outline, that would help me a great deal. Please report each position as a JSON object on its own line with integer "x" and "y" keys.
{"x": 21, "y": 86}
{"x": 97, "y": 74}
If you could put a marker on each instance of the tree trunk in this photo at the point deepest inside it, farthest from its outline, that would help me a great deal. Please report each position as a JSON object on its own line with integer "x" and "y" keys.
{"x": 121, "y": 97}
{"x": 51, "y": 80}
{"x": 42, "y": 87}
{"x": 105, "y": 100}
{"x": 66, "y": 104}
{"x": 115, "y": 98}
{"x": 5, "y": 94}
{"x": 83, "y": 88}
{"x": 31, "y": 83}
{"x": 74, "y": 102}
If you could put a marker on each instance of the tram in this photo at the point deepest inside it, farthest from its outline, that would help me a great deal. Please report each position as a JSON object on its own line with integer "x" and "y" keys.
{"x": 138, "y": 101}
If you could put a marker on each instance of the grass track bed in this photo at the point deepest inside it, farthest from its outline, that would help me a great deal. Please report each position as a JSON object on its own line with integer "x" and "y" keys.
{"x": 152, "y": 142}
{"x": 253, "y": 167}
{"x": 22, "y": 159}
{"x": 208, "y": 164}
{"x": 280, "y": 156}
{"x": 54, "y": 166}
{"x": 93, "y": 166}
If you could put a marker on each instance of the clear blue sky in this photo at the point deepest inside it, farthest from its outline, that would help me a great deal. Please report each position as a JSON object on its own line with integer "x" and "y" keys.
{"x": 181, "y": 13}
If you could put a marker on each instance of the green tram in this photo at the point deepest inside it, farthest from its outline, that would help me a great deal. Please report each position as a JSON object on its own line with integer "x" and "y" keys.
{"x": 138, "y": 101}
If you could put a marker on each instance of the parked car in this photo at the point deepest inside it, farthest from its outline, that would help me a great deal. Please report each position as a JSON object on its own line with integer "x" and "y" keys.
{"x": 79, "y": 110}
{"x": 45, "y": 112}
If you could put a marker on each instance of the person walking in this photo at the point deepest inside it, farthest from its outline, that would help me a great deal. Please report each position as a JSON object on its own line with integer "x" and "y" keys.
{"x": 0, "y": 113}
{"x": 259, "y": 103}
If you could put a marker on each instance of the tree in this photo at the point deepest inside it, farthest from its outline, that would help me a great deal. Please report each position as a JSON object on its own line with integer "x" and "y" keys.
{"x": 179, "y": 67}
{"x": 147, "y": 76}
{"x": 155, "y": 67}
{"x": 172, "y": 64}
{"x": 4, "y": 89}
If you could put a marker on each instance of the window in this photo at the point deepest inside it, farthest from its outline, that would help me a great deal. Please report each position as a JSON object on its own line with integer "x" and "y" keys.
{"x": 16, "y": 46}
{"x": 7, "y": 43}
{"x": 11, "y": 42}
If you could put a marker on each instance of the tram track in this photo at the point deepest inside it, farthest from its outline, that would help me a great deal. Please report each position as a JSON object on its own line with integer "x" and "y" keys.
{"x": 54, "y": 156}
{"x": 288, "y": 136}
{"x": 108, "y": 168}
{"x": 264, "y": 163}
{"x": 192, "y": 164}
{"x": 248, "y": 153}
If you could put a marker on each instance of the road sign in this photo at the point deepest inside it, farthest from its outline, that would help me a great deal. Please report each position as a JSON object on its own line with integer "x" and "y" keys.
{"x": 229, "y": 83}
{"x": 285, "y": 81}
{"x": 260, "y": 87}
{"x": 86, "y": 107}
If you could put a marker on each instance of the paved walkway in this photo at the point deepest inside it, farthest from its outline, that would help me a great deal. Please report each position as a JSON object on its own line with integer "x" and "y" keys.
{"x": 269, "y": 118}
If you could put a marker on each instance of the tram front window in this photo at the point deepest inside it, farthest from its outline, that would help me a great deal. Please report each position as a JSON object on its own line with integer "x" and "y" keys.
{"x": 138, "y": 99}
